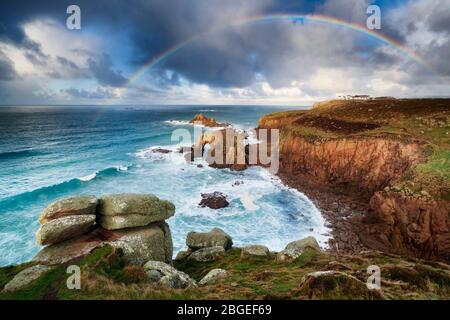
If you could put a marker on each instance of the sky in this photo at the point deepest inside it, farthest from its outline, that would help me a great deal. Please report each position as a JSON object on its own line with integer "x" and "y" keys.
{"x": 221, "y": 51}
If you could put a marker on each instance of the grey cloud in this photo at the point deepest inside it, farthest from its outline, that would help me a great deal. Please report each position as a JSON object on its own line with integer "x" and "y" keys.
{"x": 99, "y": 93}
{"x": 7, "y": 71}
{"x": 101, "y": 68}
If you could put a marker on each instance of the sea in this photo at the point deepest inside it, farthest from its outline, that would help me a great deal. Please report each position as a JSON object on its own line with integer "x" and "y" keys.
{"x": 53, "y": 152}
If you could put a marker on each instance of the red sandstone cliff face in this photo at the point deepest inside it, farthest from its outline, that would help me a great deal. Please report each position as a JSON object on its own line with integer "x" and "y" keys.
{"x": 364, "y": 166}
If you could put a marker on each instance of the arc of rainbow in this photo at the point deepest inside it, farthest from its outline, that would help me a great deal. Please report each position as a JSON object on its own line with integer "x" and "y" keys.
{"x": 279, "y": 17}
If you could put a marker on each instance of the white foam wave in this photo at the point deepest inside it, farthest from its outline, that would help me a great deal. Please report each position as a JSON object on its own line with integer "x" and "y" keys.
{"x": 88, "y": 177}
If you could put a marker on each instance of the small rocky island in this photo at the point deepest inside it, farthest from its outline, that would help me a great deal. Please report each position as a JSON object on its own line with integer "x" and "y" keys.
{"x": 200, "y": 118}
{"x": 123, "y": 247}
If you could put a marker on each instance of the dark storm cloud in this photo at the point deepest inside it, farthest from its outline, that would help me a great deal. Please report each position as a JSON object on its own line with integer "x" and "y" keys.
{"x": 235, "y": 57}
{"x": 6, "y": 69}
{"x": 102, "y": 70}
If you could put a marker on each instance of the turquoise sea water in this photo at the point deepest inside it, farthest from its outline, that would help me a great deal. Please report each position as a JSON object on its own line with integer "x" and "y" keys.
{"x": 47, "y": 153}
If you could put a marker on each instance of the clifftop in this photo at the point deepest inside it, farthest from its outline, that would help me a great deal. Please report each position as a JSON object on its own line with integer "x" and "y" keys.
{"x": 424, "y": 121}
{"x": 390, "y": 157}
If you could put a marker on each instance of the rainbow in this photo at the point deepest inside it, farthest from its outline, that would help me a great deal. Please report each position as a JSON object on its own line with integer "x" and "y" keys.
{"x": 322, "y": 19}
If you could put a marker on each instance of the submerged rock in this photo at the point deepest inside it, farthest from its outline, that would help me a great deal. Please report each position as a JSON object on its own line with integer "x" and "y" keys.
{"x": 294, "y": 249}
{"x": 208, "y": 254}
{"x": 82, "y": 205}
{"x": 133, "y": 210}
{"x": 167, "y": 275}
{"x": 64, "y": 228}
{"x": 215, "y": 200}
{"x": 213, "y": 238}
{"x": 26, "y": 277}
{"x": 213, "y": 276}
{"x": 161, "y": 150}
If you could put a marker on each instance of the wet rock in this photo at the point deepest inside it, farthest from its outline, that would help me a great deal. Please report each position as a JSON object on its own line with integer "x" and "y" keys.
{"x": 61, "y": 229}
{"x": 161, "y": 150}
{"x": 132, "y": 210}
{"x": 26, "y": 277}
{"x": 213, "y": 276}
{"x": 82, "y": 205}
{"x": 168, "y": 275}
{"x": 213, "y": 238}
{"x": 215, "y": 200}
{"x": 255, "y": 251}
{"x": 208, "y": 254}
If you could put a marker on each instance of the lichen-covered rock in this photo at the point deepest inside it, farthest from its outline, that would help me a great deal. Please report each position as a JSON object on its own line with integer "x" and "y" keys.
{"x": 216, "y": 237}
{"x": 255, "y": 251}
{"x": 26, "y": 277}
{"x": 64, "y": 228}
{"x": 212, "y": 276}
{"x": 167, "y": 275}
{"x": 133, "y": 210}
{"x": 82, "y": 205}
{"x": 152, "y": 242}
{"x": 294, "y": 249}
{"x": 208, "y": 254}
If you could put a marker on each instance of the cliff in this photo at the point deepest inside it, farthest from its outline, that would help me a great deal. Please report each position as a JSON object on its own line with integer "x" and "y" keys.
{"x": 391, "y": 158}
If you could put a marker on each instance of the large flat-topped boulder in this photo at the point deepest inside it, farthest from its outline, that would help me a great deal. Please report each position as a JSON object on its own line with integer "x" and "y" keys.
{"x": 64, "y": 228}
{"x": 139, "y": 245}
{"x": 82, "y": 205}
{"x": 121, "y": 211}
{"x": 213, "y": 238}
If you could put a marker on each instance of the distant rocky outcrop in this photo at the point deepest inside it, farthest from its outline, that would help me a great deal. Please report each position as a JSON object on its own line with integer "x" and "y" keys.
{"x": 206, "y": 121}
{"x": 133, "y": 223}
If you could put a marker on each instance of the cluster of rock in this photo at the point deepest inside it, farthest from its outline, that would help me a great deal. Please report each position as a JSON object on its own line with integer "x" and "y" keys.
{"x": 206, "y": 246}
{"x": 202, "y": 247}
{"x": 73, "y": 227}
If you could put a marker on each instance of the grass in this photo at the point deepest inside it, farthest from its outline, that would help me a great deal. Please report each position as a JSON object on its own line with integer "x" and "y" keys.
{"x": 103, "y": 274}
{"x": 438, "y": 164}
